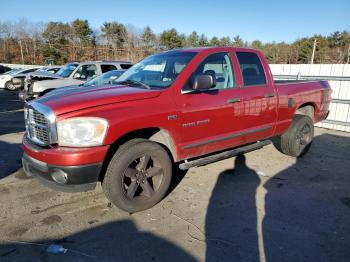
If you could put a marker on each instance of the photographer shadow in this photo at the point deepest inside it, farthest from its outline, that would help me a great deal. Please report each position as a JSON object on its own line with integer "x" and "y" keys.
{"x": 231, "y": 221}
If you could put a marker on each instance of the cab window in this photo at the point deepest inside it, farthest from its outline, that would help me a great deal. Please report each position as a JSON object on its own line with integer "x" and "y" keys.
{"x": 106, "y": 68}
{"x": 251, "y": 68}
{"x": 125, "y": 66}
{"x": 219, "y": 66}
{"x": 86, "y": 72}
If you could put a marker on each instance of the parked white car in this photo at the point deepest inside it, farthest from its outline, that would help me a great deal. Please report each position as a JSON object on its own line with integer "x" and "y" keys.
{"x": 47, "y": 72}
{"x": 72, "y": 74}
{"x": 6, "y": 79}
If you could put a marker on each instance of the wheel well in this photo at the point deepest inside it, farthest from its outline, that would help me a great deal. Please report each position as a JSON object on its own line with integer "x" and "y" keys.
{"x": 307, "y": 109}
{"x": 158, "y": 135}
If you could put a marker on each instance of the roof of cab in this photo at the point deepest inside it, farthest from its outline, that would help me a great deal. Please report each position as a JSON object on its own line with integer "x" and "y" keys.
{"x": 216, "y": 48}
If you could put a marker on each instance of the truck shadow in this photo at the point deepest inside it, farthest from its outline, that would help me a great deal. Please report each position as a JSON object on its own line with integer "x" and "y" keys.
{"x": 11, "y": 113}
{"x": 10, "y": 160}
{"x": 231, "y": 216}
{"x": 115, "y": 241}
{"x": 306, "y": 209}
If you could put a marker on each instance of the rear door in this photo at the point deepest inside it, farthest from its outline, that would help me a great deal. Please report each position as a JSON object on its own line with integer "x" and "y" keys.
{"x": 258, "y": 97}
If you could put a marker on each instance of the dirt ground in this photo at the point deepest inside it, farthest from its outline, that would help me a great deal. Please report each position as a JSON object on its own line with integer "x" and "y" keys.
{"x": 264, "y": 206}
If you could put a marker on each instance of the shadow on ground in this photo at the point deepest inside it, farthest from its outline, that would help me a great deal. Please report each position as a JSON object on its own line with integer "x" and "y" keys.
{"x": 11, "y": 113}
{"x": 10, "y": 160}
{"x": 116, "y": 241}
{"x": 11, "y": 123}
{"x": 307, "y": 209}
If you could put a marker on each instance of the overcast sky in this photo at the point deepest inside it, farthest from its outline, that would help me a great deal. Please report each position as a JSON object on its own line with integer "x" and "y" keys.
{"x": 283, "y": 20}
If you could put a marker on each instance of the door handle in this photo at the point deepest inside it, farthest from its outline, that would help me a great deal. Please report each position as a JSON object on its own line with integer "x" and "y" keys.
{"x": 269, "y": 95}
{"x": 233, "y": 100}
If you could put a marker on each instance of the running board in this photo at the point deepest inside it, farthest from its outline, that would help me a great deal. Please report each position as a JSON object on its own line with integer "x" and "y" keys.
{"x": 223, "y": 155}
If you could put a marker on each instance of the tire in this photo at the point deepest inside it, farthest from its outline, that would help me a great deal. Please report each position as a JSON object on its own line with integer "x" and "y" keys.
{"x": 10, "y": 86}
{"x": 298, "y": 139}
{"x": 138, "y": 176}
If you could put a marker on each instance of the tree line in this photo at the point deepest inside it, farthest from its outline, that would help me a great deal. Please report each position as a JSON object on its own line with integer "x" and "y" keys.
{"x": 58, "y": 42}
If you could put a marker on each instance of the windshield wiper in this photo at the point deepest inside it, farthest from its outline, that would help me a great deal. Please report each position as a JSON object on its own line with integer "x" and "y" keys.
{"x": 130, "y": 82}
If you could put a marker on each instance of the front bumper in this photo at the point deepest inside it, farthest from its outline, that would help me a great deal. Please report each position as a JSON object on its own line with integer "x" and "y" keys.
{"x": 63, "y": 178}
{"x": 81, "y": 166}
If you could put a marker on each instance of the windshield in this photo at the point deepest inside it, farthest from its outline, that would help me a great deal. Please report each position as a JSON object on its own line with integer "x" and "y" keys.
{"x": 158, "y": 71}
{"x": 67, "y": 70}
{"x": 104, "y": 79}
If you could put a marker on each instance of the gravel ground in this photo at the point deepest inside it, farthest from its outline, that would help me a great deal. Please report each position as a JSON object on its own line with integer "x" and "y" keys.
{"x": 261, "y": 207}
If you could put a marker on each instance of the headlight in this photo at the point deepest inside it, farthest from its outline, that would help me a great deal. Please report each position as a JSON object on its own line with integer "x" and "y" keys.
{"x": 82, "y": 131}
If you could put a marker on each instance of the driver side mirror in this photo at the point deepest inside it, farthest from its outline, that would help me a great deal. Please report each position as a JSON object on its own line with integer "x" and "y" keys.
{"x": 203, "y": 82}
{"x": 76, "y": 75}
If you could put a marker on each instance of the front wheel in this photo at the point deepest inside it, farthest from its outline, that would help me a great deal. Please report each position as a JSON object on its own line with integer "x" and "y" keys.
{"x": 298, "y": 139}
{"x": 138, "y": 176}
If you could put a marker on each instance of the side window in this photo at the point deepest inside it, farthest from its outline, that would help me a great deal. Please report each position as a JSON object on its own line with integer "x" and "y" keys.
{"x": 86, "y": 72}
{"x": 251, "y": 68}
{"x": 218, "y": 65}
{"x": 106, "y": 68}
{"x": 125, "y": 66}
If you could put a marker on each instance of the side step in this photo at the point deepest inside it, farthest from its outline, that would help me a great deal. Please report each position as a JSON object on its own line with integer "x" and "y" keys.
{"x": 223, "y": 155}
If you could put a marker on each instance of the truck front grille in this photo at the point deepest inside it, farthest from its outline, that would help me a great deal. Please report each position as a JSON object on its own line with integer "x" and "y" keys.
{"x": 38, "y": 125}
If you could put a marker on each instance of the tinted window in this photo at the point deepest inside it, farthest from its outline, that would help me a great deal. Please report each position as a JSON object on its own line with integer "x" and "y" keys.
{"x": 218, "y": 65}
{"x": 251, "y": 68}
{"x": 125, "y": 66}
{"x": 106, "y": 68}
{"x": 86, "y": 72}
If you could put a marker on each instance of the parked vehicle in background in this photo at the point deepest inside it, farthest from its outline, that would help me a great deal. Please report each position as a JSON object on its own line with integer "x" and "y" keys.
{"x": 47, "y": 72}
{"x": 12, "y": 71}
{"x": 104, "y": 80}
{"x": 72, "y": 74}
{"x": 4, "y": 69}
{"x": 51, "y": 69}
{"x": 187, "y": 106}
{"x": 6, "y": 79}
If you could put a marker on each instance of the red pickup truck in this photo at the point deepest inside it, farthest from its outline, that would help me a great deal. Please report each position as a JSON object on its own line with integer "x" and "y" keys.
{"x": 186, "y": 106}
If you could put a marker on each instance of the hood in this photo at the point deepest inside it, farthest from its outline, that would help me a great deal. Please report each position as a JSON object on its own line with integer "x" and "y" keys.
{"x": 76, "y": 88}
{"x": 43, "y": 74}
{"x": 64, "y": 90}
{"x": 55, "y": 83}
{"x": 82, "y": 98}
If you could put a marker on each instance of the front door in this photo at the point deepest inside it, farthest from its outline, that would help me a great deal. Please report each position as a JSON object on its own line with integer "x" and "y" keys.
{"x": 206, "y": 121}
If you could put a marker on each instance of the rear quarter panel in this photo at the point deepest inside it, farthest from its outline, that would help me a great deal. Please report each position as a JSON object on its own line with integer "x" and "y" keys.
{"x": 294, "y": 95}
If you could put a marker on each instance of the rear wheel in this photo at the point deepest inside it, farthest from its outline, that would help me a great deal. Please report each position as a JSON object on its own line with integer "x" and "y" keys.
{"x": 298, "y": 138}
{"x": 138, "y": 176}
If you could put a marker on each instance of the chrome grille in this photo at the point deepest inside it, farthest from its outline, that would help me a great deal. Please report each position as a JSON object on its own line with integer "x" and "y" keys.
{"x": 40, "y": 124}
{"x": 39, "y": 118}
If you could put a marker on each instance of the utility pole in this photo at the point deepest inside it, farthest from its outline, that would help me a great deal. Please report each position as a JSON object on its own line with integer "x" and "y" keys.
{"x": 313, "y": 52}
